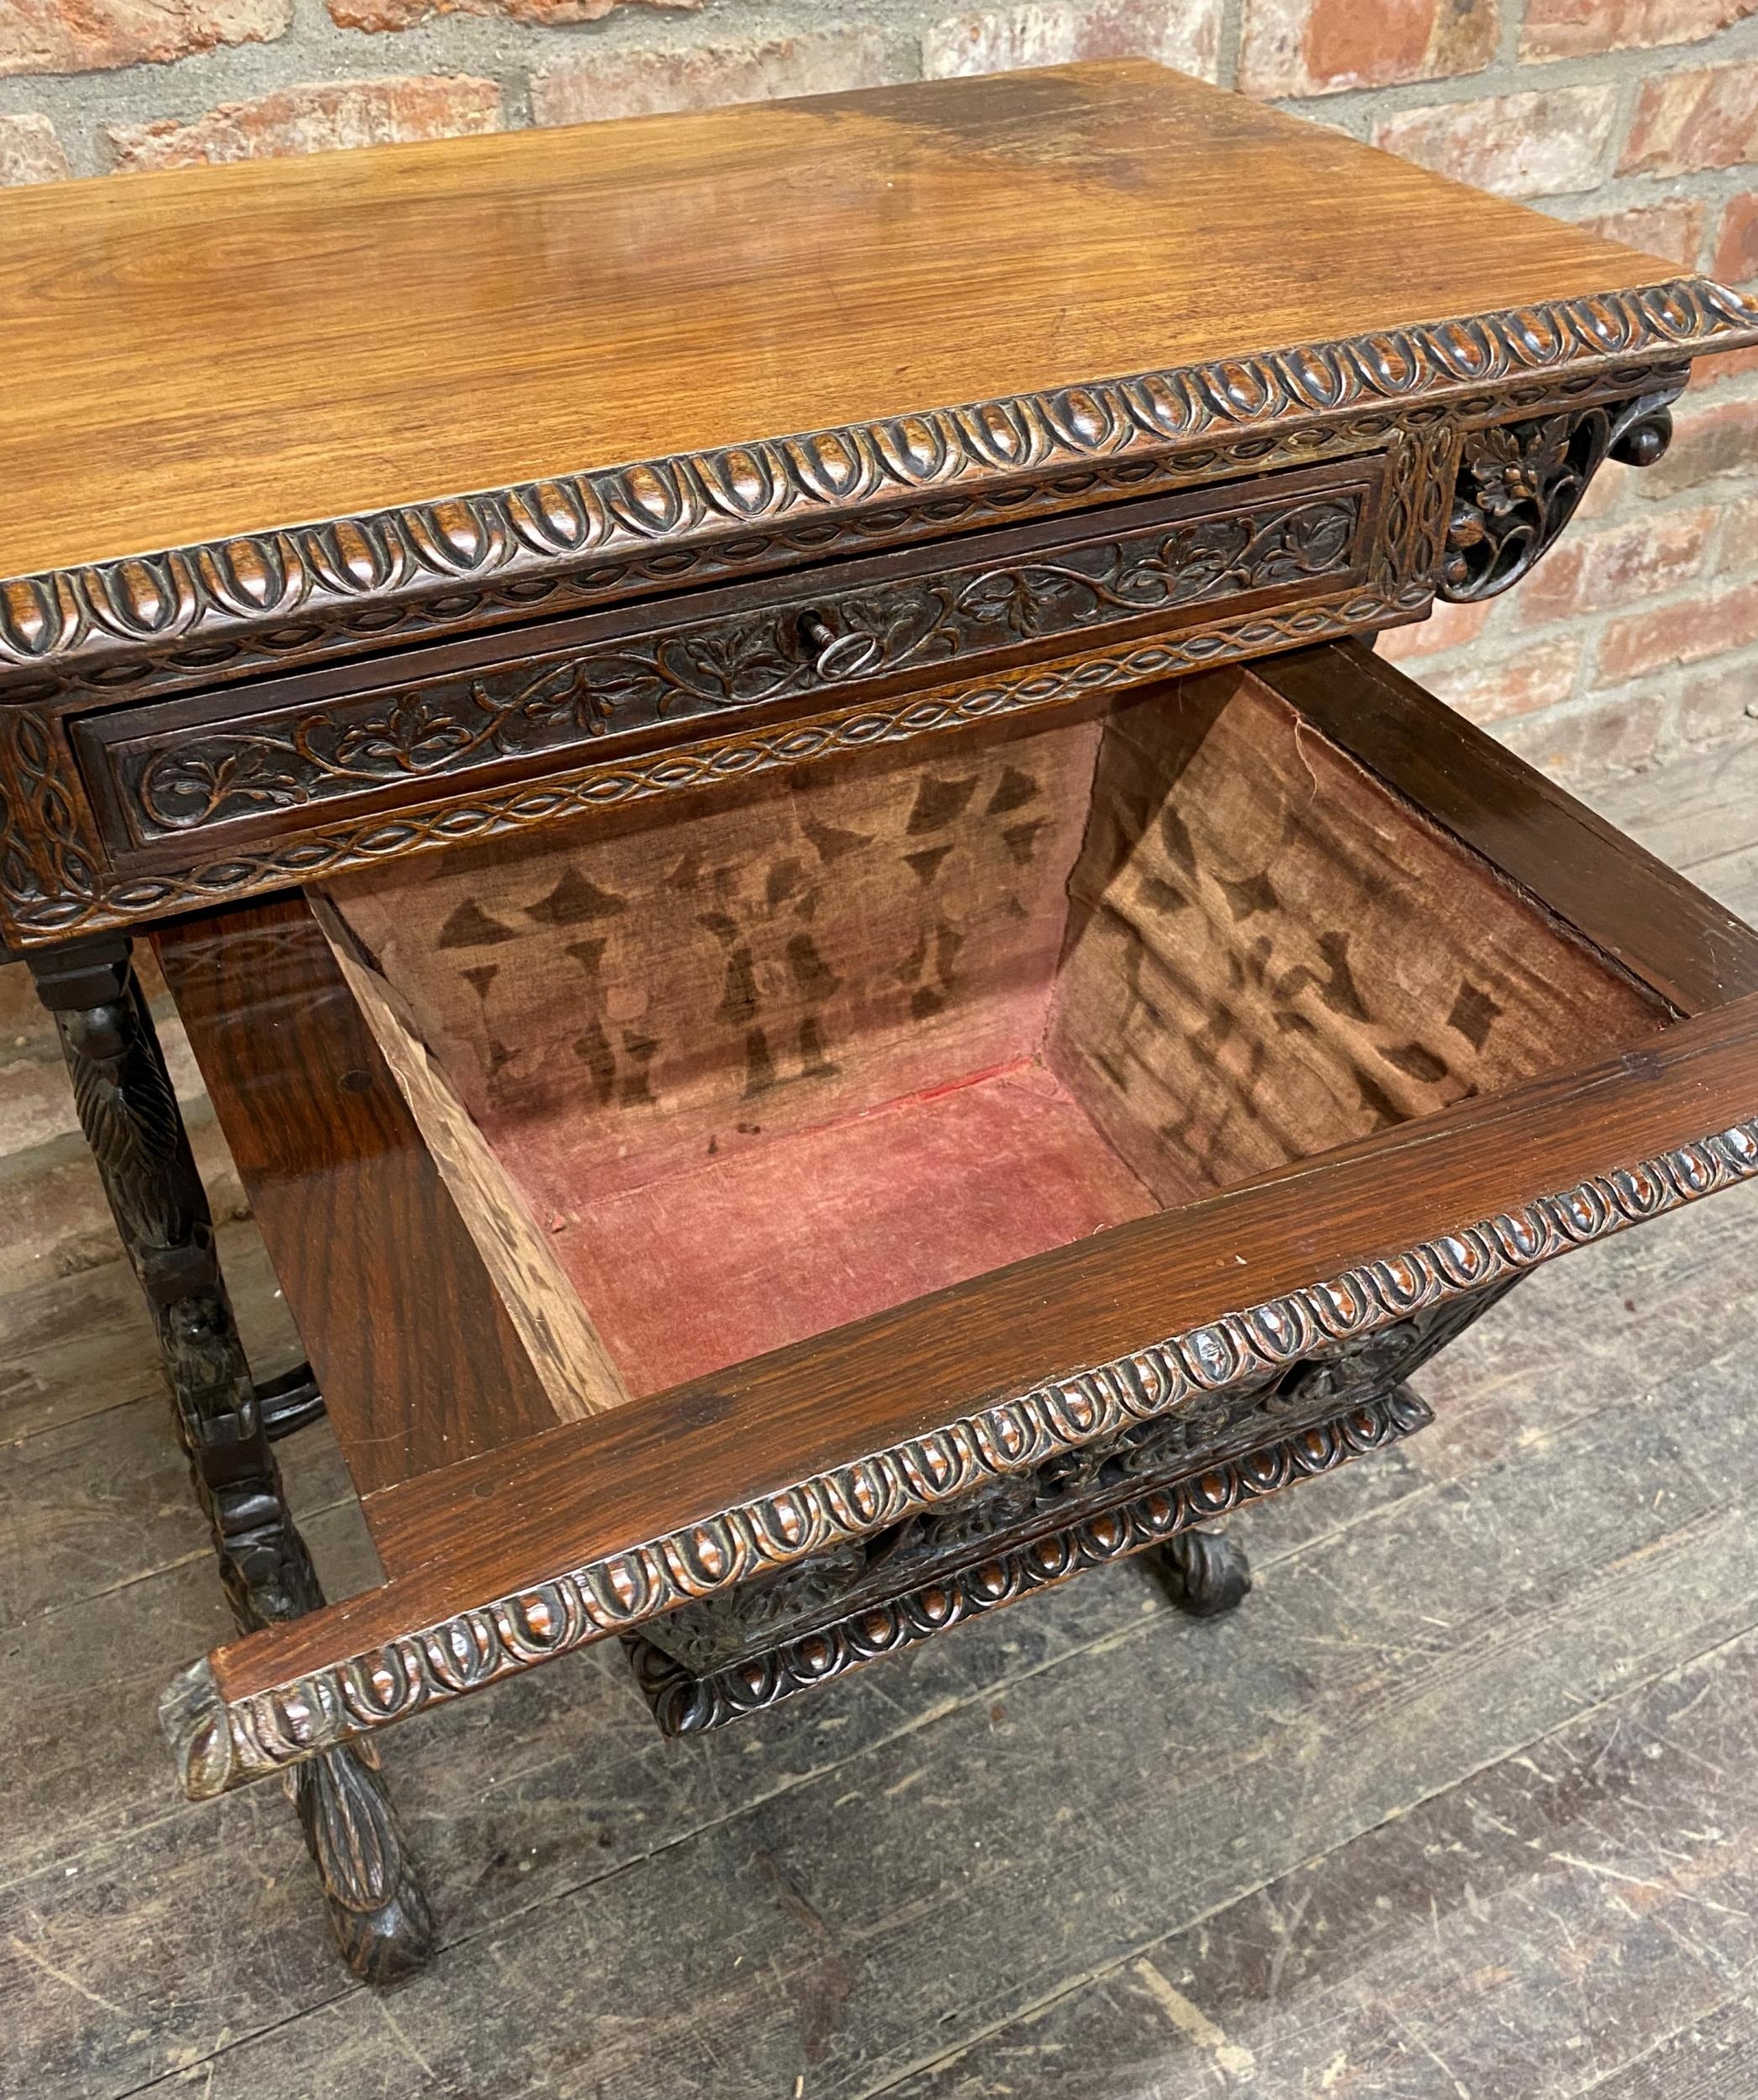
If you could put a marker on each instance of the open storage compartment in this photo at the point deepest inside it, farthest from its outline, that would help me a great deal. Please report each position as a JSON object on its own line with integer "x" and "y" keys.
{"x": 735, "y": 1071}
{"x": 781, "y": 1218}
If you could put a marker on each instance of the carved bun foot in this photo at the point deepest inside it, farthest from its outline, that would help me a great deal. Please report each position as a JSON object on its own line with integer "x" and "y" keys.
{"x": 378, "y": 1909}
{"x": 1206, "y": 1574}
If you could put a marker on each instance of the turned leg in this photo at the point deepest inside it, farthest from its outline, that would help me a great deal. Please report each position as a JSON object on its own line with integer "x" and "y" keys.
{"x": 1206, "y": 1574}
{"x": 129, "y": 1113}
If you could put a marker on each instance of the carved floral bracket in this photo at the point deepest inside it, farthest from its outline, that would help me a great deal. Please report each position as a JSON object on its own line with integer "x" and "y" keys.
{"x": 1520, "y": 483}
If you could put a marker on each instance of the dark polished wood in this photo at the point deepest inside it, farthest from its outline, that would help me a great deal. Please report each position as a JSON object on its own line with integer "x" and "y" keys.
{"x": 1206, "y": 1575}
{"x": 377, "y": 1908}
{"x": 574, "y": 1504}
{"x": 1151, "y": 1484}
{"x": 216, "y": 773}
{"x": 360, "y": 1225}
{"x": 796, "y": 555}
{"x": 358, "y": 1220}
{"x": 278, "y": 1697}
{"x": 638, "y": 290}
{"x": 1257, "y": 297}
{"x": 578, "y": 1493}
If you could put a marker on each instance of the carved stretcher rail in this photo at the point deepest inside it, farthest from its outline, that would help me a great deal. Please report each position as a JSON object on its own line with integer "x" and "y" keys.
{"x": 322, "y": 573}
{"x": 686, "y": 1705}
{"x": 221, "y": 1743}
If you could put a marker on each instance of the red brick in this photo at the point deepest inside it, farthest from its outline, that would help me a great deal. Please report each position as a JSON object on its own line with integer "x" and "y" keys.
{"x": 1597, "y": 572}
{"x": 1605, "y": 494}
{"x": 1736, "y": 245}
{"x": 643, "y": 83}
{"x": 1707, "y": 118}
{"x": 36, "y": 1103}
{"x": 1540, "y": 676}
{"x": 321, "y": 119}
{"x": 1524, "y": 145}
{"x": 403, "y": 14}
{"x": 1739, "y": 545}
{"x": 1181, "y": 32}
{"x": 1673, "y": 227}
{"x": 1708, "y": 624}
{"x": 1718, "y": 366}
{"x": 25, "y": 1023}
{"x": 1581, "y": 745}
{"x": 57, "y": 1221}
{"x": 84, "y": 36}
{"x": 1570, "y": 28}
{"x": 30, "y": 152}
{"x": 1448, "y": 626}
{"x": 1316, "y": 47}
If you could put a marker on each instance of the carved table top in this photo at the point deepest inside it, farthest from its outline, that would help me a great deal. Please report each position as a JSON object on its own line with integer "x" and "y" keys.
{"x": 218, "y": 351}
{"x": 263, "y": 417}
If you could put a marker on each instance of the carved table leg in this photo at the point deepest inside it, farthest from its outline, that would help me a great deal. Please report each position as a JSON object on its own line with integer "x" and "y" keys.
{"x": 129, "y": 1113}
{"x": 1206, "y": 1572}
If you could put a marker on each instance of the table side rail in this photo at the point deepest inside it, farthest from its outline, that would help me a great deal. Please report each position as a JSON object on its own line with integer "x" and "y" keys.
{"x": 218, "y": 770}
{"x": 359, "y": 1224}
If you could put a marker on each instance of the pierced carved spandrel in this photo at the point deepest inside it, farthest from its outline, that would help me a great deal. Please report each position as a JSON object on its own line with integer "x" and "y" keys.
{"x": 631, "y": 999}
{"x": 1268, "y": 955}
{"x": 1520, "y": 483}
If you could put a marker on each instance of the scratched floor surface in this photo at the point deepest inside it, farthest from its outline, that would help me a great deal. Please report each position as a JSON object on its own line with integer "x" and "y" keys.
{"x": 1463, "y": 1804}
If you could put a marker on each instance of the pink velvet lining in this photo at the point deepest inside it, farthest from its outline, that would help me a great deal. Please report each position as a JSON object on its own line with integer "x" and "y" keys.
{"x": 745, "y": 1252}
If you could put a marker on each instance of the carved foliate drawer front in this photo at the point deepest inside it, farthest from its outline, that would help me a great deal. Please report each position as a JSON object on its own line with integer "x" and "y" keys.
{"x": 235, "y": 762}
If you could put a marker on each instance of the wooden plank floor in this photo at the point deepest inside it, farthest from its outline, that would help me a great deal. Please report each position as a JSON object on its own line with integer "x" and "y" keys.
{"x": 1463, "y": 1804}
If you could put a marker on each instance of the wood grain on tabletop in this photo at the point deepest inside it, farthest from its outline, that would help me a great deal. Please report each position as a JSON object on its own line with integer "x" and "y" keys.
{"x": 217, "y": 350}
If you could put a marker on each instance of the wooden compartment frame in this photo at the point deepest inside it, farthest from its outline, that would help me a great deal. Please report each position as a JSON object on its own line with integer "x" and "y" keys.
{"x": 293, "y": 588}
{"x": 507, "y": 1536}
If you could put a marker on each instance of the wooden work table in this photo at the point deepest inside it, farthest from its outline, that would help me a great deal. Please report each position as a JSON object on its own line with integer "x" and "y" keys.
{"x": 751, "y": 744}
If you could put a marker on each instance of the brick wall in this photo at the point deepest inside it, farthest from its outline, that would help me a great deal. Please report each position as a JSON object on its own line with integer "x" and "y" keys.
{"x": 1633, "y": 642}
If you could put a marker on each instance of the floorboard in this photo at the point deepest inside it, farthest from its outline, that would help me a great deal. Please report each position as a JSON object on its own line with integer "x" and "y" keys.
{"x": 79, "y": 1344}
{"x": 1699, "y": 806}
{"x": 1530, "y": 1929}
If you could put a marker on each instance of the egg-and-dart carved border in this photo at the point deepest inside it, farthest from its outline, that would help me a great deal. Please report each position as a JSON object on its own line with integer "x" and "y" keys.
{"x": 350, "y": 627}
{"x": 219, "y": 1743}
{"x": 67, "y": 896}
{"x": 685, "y": 1703}
{"x": 540, "y": 528}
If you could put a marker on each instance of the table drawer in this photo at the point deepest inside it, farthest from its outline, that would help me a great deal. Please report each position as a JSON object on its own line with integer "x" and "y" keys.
{"x": 783, "y": 1222}
{"x": 222, "y": 768}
